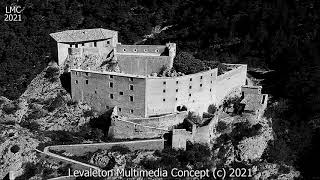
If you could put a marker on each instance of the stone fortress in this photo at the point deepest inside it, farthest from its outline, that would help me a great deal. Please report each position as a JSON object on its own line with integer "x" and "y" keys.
{"x": 125, "y": 78}
{"x": 133, "y": 86}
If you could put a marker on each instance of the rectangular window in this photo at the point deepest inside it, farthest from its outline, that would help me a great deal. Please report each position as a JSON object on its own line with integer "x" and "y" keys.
{"x": 108, "y": 42}
{"x": 82, "y": 44}
{"x": 190, "y": 79}
{"x": 164, "y": 83}
{"x": 70, "y": 45}
{"x": 131, "y": 111}
{"x": 176, "y": 99}
{"x": 131, "y": 98}
{"x": 120, "y": 109}
{"x": 200, "y": 77}
{"x": 189, "y": 95}
{"x": 164, "y": 91}
{"x": 76, "y": 81}
{"x": 177, "y": 82}
{"x": 111, "y": 84}
{"x": 177, "y": 90}
{"x": 163, "y": 100}
{"x": 120, "y": 93}
{"x": 111, "y": 76}
{"x": 76, "y": 45}
{"x": 190, "y": 87}
{"x": 131, "y": 87}
{"x": 87, "y": 82}
{"x": 107, "y": 107}
{"x": 111, "y": 96}
{"x": 95, "y": 44}
{"x": 200, "y": 85}
{"x": 131, "y": 79}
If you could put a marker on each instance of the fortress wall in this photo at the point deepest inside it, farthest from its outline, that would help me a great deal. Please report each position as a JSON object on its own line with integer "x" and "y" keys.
{"x": 165, "y": 122}
{"x": 62, "y": 52}
{"x": 142, "y": 65}
{"x": 82, "y": 149}
{"x": 205, "y": 133}
{"x": 195, "y": 91}
{"x": 230, "y": 81}
{"x": 251, "y": 89}
{"x": 121, "y": 129}
{"x": 180, "y": 138}
{"x": 141, "y": 49}
{"x": 97, "y": 93}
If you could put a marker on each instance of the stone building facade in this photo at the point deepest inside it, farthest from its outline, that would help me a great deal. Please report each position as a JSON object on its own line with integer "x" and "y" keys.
{"x": 145, "y": 96}
{"x": 134, "y": 89}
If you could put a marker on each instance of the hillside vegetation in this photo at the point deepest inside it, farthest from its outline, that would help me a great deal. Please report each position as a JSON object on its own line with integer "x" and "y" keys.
{"x": 278, "y": 35}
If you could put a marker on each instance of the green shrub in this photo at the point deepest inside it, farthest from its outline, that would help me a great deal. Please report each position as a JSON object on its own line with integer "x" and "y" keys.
{"x": 30, "y": 124}
{"x": 35, "y": 114}
{"x": 52, "y": 73}
{"x": 186, "y": 63}
{"x": 72, "y": 102}
{"x": 30, "y": 170}
{"x": 212, "y": 109}
{"x": 221, "y": 126}
{"x": 88, "y": 113}
{"x": 150, "y": 163}
{"x": 55, "y": 103}
{"x": 121, "y": 149}
{"x": 10, "y": 108}
{"x": 194, "y": 118}
{"x": 243, "y": 129}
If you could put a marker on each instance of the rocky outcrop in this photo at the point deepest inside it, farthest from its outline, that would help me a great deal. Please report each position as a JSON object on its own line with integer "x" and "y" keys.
{"x": 274, "y": 171}
{"x": 16, "y": 148}
{"x": 252, "y": 148}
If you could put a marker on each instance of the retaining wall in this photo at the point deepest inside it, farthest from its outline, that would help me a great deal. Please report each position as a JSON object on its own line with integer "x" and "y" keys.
{"x": 82, "y": 149}
{"x": 165, "y": 121}
{"x": 122, "y": 129}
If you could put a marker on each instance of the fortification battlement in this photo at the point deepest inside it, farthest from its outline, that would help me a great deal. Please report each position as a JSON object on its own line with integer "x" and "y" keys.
{"x": 86, "y": 73}
{"x": 147, "y": 50}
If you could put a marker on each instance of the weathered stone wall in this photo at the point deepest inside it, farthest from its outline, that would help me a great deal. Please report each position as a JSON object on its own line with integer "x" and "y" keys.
{"x": 82, "y": 149}
{"x": 230, "y": 81}
{"x": 205, "y": 133}
{"x": 141, "y": 50}
{"x": 142, "y": 65}
{"x": 165, "y": 94}
{"x": 251, "y": 89}
{"x": 165, "y": 122}
{"x": 105, "y": 90}
{"x": 122, "y": 129}
{"x": 62, "y": 52}
{"x": 180, "y": 138}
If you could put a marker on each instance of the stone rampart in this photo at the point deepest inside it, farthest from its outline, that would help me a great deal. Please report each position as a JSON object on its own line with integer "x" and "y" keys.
{"x": 164, "y": 122}
{"x": 122, "y": 129}
{"x": 82, "y": 149}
